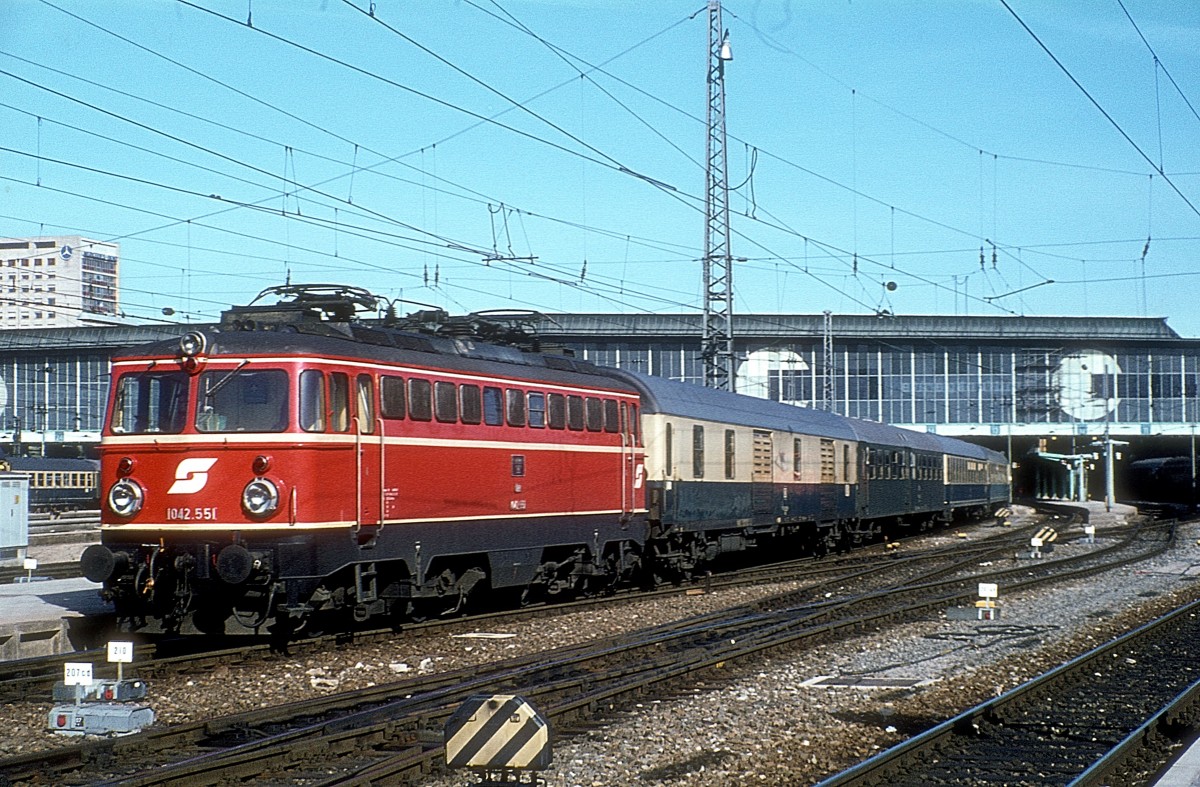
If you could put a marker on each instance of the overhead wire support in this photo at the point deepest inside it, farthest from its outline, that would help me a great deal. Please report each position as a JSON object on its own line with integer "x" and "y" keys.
{"x": 717, "y": 339}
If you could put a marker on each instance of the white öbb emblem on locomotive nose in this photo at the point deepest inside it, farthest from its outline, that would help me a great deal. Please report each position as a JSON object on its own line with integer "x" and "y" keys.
{"x": 191, "y": 475}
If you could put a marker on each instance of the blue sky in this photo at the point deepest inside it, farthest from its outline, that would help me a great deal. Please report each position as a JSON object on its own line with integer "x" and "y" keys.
{"x": 874, "y": 142}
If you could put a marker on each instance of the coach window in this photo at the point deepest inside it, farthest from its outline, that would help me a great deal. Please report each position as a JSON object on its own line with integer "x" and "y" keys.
{"x": 493, "y": 406}
{"x": 796, "y": 461}
{"x": 420, "y": 406}
{"x": 612, "y": 416}
{"x": 595, "y": 414}
{"x": 847, "y": 469}
{"x": 472, "y": 404}
{"x": 391, "y": 395}
{"x": 537, "y": 410}
{"x": 366, "y": 404}
{"x": 556, "y": 411}
{"x": 730, "y": 444}
{"x": 698, "y": 451}
{"x": 445, "y": 402}
{"x": 575, "y": 412}
{"x": 516, "y": 406}
{"x": 669, "y": 443}
{"x": 312, "y": 400}
{"x": 339, "y": 402}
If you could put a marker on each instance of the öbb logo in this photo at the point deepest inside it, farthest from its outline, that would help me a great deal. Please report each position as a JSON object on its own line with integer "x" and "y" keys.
{"x": 191, "y": 475}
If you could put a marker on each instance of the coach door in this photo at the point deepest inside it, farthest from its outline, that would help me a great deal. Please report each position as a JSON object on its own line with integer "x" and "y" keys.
{"x": 761, "y": 476}
{"x": 369, "y": 444}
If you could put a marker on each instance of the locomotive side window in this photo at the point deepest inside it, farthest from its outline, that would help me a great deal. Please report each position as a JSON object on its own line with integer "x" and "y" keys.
{"x": 391, "y": 395}
{"x": 575, "y": 412}
{"x": 557, "y": 411}
{"x": 150, "y": 402}
{"x": 516, "y": 407}
{"x": 612, "y": 416}
{"x": 537, "y": 410}
{"x": 420, "y": 407}
{"x": 312, "y": 400}
{"x": 445, "y": 401}
{"x": 595, "y": 414}
{"x": 493, "y": 406}
{"x": 366, "y": 403}
{"x": 339, "y": 402}
{"x": 237, "y": 400}
{"x": 472, "y": 404}
{"x": 635, "y": 426}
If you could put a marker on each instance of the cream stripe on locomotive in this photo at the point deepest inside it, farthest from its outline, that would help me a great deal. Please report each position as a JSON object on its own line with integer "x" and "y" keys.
{"x": 350, "y": 439}
{"x": 331, "y": 525}
{"x": 218, "y": 362}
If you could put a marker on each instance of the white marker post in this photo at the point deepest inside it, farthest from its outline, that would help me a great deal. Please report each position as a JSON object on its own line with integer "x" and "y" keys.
{"x": 988, "y": 592}
{"x": 120, "y": 653}
{"x": 1035, "y": 544}
{"x": 1090, "y": 532}
{"x": 30, "y": 565}
{"x": 77, "y": 674}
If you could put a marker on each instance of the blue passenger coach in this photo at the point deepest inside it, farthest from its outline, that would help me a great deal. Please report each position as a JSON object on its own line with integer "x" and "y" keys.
{"x": 723, "y": 472}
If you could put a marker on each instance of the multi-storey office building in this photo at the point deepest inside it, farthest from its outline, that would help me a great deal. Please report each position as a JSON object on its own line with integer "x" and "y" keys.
{"x": 57, "y": 281}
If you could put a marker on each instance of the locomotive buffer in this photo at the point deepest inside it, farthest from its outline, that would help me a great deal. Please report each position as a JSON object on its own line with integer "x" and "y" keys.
{"x": 501, "y": 737}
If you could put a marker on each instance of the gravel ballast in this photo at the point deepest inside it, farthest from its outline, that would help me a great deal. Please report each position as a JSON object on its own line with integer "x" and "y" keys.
{"x": 765, "y": 722}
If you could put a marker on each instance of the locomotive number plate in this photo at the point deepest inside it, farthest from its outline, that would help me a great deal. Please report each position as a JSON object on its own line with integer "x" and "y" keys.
{"x": 189, "y": 514}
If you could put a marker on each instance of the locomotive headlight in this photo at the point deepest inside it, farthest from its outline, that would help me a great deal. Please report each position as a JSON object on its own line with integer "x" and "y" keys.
{"x": 192, "y": 344}
{"x": 260, "y": 498}
{"x": 125, "y": 498}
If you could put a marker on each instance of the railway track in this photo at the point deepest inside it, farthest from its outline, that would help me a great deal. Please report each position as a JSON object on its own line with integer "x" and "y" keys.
{"x": 157, "y": 656}
{"x": 1112, "y": 716}
{"x": 391, "y": 732}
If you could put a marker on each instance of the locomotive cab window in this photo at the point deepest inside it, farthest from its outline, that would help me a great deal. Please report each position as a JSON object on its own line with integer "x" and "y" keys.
{"x": 150, "y": 402}
{"x": 242, "y": 400}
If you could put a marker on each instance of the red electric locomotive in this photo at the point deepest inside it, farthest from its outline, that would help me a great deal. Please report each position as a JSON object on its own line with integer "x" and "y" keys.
{"x": 294, "y": 461}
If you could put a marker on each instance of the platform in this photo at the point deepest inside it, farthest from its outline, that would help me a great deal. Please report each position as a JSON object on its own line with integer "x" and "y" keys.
{"x": 43, "y": 618}
{"x": 1185, "y": 772}
{"x": 1095, "y": 512}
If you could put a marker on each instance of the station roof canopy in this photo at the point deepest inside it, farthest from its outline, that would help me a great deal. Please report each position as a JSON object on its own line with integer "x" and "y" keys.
{"x": 982, "y": 329}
